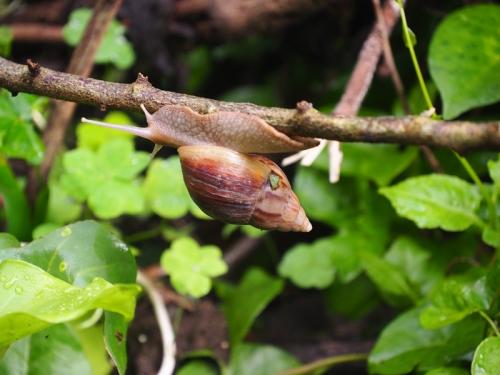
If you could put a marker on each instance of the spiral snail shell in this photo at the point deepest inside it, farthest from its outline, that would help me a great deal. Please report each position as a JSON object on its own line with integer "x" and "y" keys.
{"x": 224, "y": 180}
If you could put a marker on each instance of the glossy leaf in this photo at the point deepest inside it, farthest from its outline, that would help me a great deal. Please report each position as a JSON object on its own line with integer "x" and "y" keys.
{"x": 242, "y": 306}
{"x": 78, "y": 253}
{"x": 114, "y": 47}
{"x": 487, "y": 357}
{"x": 464, "y": 58}
{"x": 456, "y": 298}
{"x": 191, "y": 267}
{"x": 55, "y": 351}
{"x": 309, "y": 265}
{"x": 253, "y": 359}
{"x": 38, "y": 300}
{"x": 405, "y": 345}
{"x": 435, "y": 201}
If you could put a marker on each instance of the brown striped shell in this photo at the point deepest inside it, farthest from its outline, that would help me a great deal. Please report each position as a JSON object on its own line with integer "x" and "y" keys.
{"x": 241, "y": 189}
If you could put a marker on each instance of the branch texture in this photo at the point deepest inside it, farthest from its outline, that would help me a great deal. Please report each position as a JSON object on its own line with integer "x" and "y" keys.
{"x": 458, "y": 135}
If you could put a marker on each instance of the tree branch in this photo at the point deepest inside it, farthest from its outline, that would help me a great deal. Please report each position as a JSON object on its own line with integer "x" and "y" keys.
{"x": 81, "y": 63}
{"x": 458, "y": 135}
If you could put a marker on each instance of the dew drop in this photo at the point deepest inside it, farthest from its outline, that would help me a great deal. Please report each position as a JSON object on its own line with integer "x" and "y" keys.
{"x": 66, "y": 231}
{"x": 19, "y": 290}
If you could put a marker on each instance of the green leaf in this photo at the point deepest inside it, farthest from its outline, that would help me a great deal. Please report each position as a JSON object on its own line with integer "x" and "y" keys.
{"x": 410, "y": 39}
{"x": 94, "y": 349}
{"x": 309, "y": 265}
{"x": 447, "y": 371}
{"x": 494, "y": 171}
{"x": 345, "y": 252}
{"x": 197, "y": 367}
{"x": 5, "y": 41}
{"x": 93, "y": 137}
{"x": 114, "y": 47}
{"x": 18, "y": 138}
{"x": 487, "y": 357}
{"x": 354, "y": 299}
{"x": 491, "y": 236}
{"x": 8, "y": 240}
{"x": 164, "y": 188}
{"x": 379, "y": 163}
{"x": 389, "y": 279}
{"x": 55, "y": 350}
{"x": 405, "y": 345}
{"x": 415, "y": 261}
{"x": 61, "y": 207}
{"x": 115, "y": 339}
{"x": 78, "y": 253}
{"x": 166, "y": 192}
{"x": 38, "y": 300}
{"x": 191, "y": 267}
{"x": 464, "y": 58}
{"x": 456, "y": 298}
{"x": 253, "y": 359}
{"x": 15, "y": 203}
{"x": 330, "y": 203}
{"x": 242, "y": 306}
{"x": 436, "y": 201}
{"x": 106, "y": 178}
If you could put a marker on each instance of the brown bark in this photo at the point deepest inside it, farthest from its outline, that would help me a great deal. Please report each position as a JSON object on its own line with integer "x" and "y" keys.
{"x": 458, "y": 135}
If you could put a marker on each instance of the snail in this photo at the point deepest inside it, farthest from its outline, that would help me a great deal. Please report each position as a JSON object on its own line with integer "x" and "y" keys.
{"x": 221, "y": 170}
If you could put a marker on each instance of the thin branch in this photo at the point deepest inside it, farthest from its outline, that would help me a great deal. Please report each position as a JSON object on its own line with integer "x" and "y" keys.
{"x": 388, "y": 56}
{"x": 362, "y": 75}
{"x": 166, "y": 330}
{"x": 458, "y": 135}
{"x": 36, "y": 32}
{"x": 81, "y": 63}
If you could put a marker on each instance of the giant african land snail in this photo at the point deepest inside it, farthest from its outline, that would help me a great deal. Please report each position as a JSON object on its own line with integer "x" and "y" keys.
{"x": 226, "y": 181}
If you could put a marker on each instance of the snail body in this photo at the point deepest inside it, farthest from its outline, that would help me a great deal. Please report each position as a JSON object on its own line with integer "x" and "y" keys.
{"x": 224, "y": 180}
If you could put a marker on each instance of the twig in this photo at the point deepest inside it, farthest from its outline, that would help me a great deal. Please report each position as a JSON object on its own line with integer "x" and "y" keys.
{"x": 81, "y": 64}
{"x": 458, "y": 135}
{"x": 325, "y": 364}
{"x": 368, "y": 58}
{"x": 166, "y": 331}
{"x": 388, "y": 56}
{"x": 235, "y": 18}
{"x": 36, "y": 32}
{"x": 240, "y": 250}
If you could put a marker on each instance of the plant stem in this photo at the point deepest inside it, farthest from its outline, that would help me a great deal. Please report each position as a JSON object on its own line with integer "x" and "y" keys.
{"x": 490, "y": 322}
{"x": 409, "y": 44}
{"x": 473, "y": 175}
{"x": 163, "y": 320}
{"x": 326, "y": 363}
